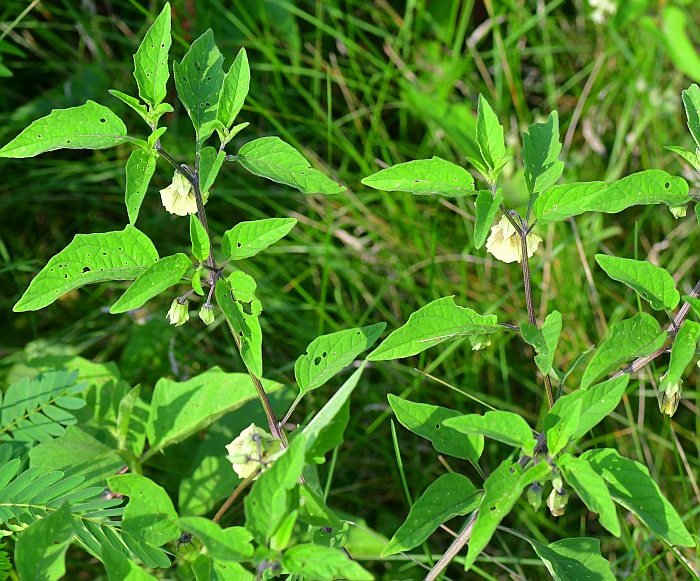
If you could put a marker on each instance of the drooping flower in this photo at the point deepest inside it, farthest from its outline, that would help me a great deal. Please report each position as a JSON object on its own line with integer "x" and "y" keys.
{"x": 179, "y": 313}
{"x": 251, "y": 450}
{"x": 557, "y": 501}
{"x": 504, "y": 242}
{"x": 669, "y": 396}
{"x": 178, "y": 198}
{"x": 206, "y": 313}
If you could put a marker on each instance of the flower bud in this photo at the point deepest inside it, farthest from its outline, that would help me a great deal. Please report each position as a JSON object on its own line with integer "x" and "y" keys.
{"x": 669, "y": 396}
{"x": 679, "y": 211}
{"x": 206, "y": 313}
{"x": 179, "y": 313}
{"x": 534, "y": 496}
{"x": 504, "y": 242}
{"x": 251, "y": 450}
{"x": 557, "y": 501}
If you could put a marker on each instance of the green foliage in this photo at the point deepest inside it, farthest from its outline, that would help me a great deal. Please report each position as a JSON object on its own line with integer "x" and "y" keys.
{"x": 487, "y": 205}
{"x": 541, "y": 148}
{"x": 577, "y": 558}
{"x": 544, "y": 340}
{"x": 505, "y": 427}
{"x": 246, "y": 239}
{"x": 140, "y": 168}
{"x": 151, "y": 60}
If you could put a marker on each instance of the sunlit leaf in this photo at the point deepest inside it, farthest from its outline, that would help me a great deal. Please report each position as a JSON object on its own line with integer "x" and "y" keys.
{"x": 89, "y": 258}
{"x": 120, "y": 567}
{"x": 691, "y": 102}
{"x": 199, "y": 239}
{"x": 653, "y": 283}
{"x": 489, "y": 134}
{"x": 318, "y": 562}
{"x": 506, "y": 427}
{"x": 678, "y": 45}
{"x": 541, "y": 148}
{"x": 246, "y": 239}
{"x": 424, "y": 177}
{"x": 230, "y": 544}
{"x": 574, "y": 559}
{"x": 562, "y": 425}
{"x": 544, "y": 340}
{"x": 234, "y": 90}
{"x": 486, "y": 208}
{"x": 210, "y": 162}
{"x": 151, "y": 60}
{"x": 139, "y": 170}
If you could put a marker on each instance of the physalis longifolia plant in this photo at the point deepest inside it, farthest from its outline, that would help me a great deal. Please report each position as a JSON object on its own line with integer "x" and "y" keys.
{"x": 288, "y": 527}
{"x": 600, "y": 477}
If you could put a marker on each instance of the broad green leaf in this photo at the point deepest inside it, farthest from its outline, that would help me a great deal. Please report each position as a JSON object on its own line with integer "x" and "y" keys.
{"x": 131, "y": 422}
{"x": 272, "y": 158}
{"x": 329, "y": 354}
{"x": 313, "y": 509}
{"x": 280, "y": 540}
{"x": 574, "y": 559}
{"x": 541, "y": 148}
{"x": 591, "y": 489}
{"x": 199, "y": 238}
{"x": 635, "y": 337}
{"x": 230, "y": 544}
{"x": 325, "y": 418}
{"x": 689, "y": 156}
{"x": 560, "y": 428}
{"x": 318, "y": 562}
{"x": 486, "y": 208}
{"x": 242, "y": 311}
{"x": 89, "y": 126}
{"x": 502, "y": 489}
{"x": 647, "y": 187}
{"x": 505, "y": 427}
{"x": 151, "y": 60}
{"x": 678, "y": 45}
{"x": 198, "y": 78}
{"x": 40, "y": 551}
{"x": 89, "y": 258}
{"x": 632, "y": 487}
{"x": 210, "y": 162}
{"x": 246, "y": 239}
{"x": 139, "y": 170}
{"x": 449, "y": 496}
{"x": 653, "y": 283}
{"x": 180, "y": 409}
{"x": 544, "y": 340}
{"x": 596, "y": 403}
{"x": 437, "y": 322}
{"x": 158, "y": 277}
{"x": 691, "y": 102}
{"x": 682, "y": 353}
{"x": 428, "y": 421}
{"x": 132, "y": 102}
{"x": 424, "y": 177}
{"x": 489, "y": 134}
{"x": 150, "y": 514}
{"x": 235, "y": 90}
{"x": 197, "y": 281}
{"x": 206, "y": 569}
{"x": 268, "y": 503}
{"x": 120, "y": 567}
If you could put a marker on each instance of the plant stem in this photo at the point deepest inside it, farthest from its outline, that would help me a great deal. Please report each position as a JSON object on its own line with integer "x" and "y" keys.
{"x": 234, "y": 495}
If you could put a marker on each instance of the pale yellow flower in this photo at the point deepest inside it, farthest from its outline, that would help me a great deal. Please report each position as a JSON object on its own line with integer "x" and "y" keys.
{"x": 669, "y": 396}
{"x": 178, "y": 198}
{"x": 179, "y": 313}
{"x": 504, "y": 242}
{"x": 251, "y": 450}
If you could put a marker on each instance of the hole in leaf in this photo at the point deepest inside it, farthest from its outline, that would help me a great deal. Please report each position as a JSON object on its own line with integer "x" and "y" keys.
{"x": 324, "y": 354}
{"x": 247, "y": 307}
{"x": 667, "y": 185}
{"x": 437, "y": 426}
{"x": 317, "y": 361}
{"x": 103, "y": 120}
{"x": 239, "y": 245}
{"x": 86, "y": 269}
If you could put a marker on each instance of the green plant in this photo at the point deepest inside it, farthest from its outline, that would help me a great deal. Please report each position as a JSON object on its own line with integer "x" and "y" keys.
{"x": 288, "y": 527}
{"x": 601, "y": 477}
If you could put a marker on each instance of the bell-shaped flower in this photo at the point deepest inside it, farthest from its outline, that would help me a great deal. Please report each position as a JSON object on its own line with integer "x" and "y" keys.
{"x": 504, "y": 242}
{"x": 669, "y": 396}
{"x": 206, "y": 313}
{"x": 178, "y": 198}
{"x": 179, "y": 313}
{"x": 251, "y": 450}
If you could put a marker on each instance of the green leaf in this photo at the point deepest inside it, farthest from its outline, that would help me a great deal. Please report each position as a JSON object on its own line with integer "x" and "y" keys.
{"x": 646, "y": 187}
{"x": 318, "y": 562}
{"x": 329, "y": 354}
{"x": 198, "y": 79}
{"x": 139, "y": 170}
{"x": 635, "y": 337}
{"x": 89, "y": 258}
{"x": 653, "y": 283}
{"x": 246, "y": 239}
{"x": 206, "y": 569}
{"x": 541, "y": 148}
{"x": 424, "y": 177}
{"x": 268, "y": 503}
{"x": 230, "y": 544}
{"x": 313, "y": 510}
{"x": 436, "y": 322}
{"x": 235, "y": 90}
{"x": 502, "y": 489}
{"x": 428, "y": 421}
{"x": 242, "y": 311}
{"x": 591, "y": 489}
{"x": 89, "y": 126}
{"x": 689, "y": 156}
{"x": 486, "y": 208}
{"x": 682, "y": 353}
{"x": 120, "y": 567}
{"x": 272, "y": 158}
{"x": 489, "y": 134}
{"x": 131, "y": 422}
{"x": 132, "y": 102}
{"x": 544, "y": 340}
{"x": 328, "y": 416}
{"x": 151, "y": 60}
{"x": 158, "y": 277}
{"x": 180, "y": 409}
{"x": 150, "y": 514}
{"x": 574, "y": 559}
{"x": 199, "y": 238}
{"x": 559, "y": 428}
{"x": 691, "y": 102}
{"x": 505, "y": 427}
{"x": 694, "y": 303}
{"x": 631, "y": 487}
{"x": 40, "y": 551}
{"x": 449, "y": 496}
{"x": 596, "y": 403}
{"x": 210, "y": 162}
{"x": 678, "y": 45}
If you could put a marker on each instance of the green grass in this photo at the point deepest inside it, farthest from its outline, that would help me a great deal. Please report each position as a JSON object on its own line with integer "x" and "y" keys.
{"x": 355, "y": 85}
